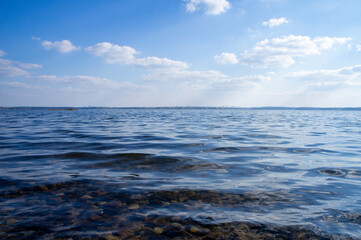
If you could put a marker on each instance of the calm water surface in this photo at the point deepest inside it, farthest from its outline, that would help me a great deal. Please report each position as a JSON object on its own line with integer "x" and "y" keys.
{"x": 103, "y": 172}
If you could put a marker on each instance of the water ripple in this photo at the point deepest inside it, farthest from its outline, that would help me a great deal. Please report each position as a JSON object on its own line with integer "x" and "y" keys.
{"x": 69, "y": 173}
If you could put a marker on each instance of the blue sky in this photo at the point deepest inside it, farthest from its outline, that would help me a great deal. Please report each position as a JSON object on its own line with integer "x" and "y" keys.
{"x": 119, "y": 53}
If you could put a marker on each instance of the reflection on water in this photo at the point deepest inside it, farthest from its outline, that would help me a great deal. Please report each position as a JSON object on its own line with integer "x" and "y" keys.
{"x": 186, "y": 173}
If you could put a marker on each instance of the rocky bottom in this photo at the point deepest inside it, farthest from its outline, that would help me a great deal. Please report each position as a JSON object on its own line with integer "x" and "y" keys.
{"x": 94, "y": 210}
{"x": 158, "y": 227}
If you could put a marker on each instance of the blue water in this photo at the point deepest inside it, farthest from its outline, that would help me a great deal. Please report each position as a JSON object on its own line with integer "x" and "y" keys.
{"x": 273, "y": 167}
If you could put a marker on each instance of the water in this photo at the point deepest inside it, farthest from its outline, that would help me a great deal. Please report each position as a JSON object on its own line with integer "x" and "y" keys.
{"x": 163, "y": 173}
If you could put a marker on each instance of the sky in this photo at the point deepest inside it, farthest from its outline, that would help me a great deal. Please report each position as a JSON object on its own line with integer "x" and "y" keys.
{"x": 156, "y": 53}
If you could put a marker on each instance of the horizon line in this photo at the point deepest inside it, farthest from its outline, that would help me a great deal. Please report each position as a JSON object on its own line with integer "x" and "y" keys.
{"x": 178, "y": 107}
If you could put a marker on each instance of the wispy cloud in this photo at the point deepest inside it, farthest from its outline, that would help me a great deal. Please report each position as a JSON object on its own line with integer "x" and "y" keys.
{"x": 63, "y": 46}
{"x": 211, "y": 7}
{"x": 2, "y": 53}
{"x": 12, "y": 71}
{"x": 224, "y": 83}
{"x": 345, "y": 74}
{"x": 358, "y": 47}
{"x": 20, "y": 85}
{"x": 273, "y": 22}
{"x": 281, "y": 52}
{"x": 226, "y": 58}
{"x": 91, "y": 82}
{"x": 184, "y": 75}
{"x": 11, "y": 68}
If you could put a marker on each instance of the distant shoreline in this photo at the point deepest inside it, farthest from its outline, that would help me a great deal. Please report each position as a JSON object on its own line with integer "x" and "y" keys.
{"x": 187, "y": 107}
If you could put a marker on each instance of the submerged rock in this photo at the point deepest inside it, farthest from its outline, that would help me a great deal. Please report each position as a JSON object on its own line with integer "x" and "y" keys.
{"x": 133, "y": 206}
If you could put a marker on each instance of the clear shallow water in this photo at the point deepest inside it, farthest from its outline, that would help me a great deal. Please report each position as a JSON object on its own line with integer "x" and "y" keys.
{"x": 91, "y": 172}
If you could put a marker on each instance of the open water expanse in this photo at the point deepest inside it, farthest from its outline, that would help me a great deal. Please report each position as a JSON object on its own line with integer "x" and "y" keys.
{"x": 180, "y": 174}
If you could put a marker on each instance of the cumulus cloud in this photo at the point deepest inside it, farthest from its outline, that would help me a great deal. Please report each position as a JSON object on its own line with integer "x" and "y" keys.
{"x": 273, "y": 22}
{"x": 156, "y": 62}
{"x": 281, "y": 52}
{"x": 164, "y": 69}
{"x": 113, "y": 53}
{"x": 63, "y": 46}
{"x": 11, "y": 68}
{"x": 211, "y": 7}
{"x": 226, "y": 58}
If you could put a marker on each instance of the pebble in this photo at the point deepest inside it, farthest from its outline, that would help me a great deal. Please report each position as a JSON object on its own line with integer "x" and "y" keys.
{"x": 133, "y": 206}
{"x": 177, "y": 225}
{"x": 199, "y": 231}
{"x": 86, "y": 197}
{"x": 95, "y": 217}
{"x": 44, "y": 188}
{"x": 101, "y": 203}
{"x": 158, "y": 230}
{"x": 11, "y": 221}
{"x": 111, "y": 237}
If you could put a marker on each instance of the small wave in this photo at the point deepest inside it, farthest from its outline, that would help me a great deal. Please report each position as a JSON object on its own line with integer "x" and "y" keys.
{"x": 262, "y": 148}
{"x": 78, "y": 156}
{"x": 258, "y": 135}
{"x": 122, "y": 162}
{"x": 151, "y": 138}
{"x": 354, "y": 174}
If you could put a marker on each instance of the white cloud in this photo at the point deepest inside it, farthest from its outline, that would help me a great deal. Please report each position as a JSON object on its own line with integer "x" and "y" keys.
{"x": 2, "y": 53}
{"x": 280, "y": 52}
{"x": 164, "y": 69}
{"x": 90, "y": 81}
{"x": 28, "y": 65}
{"x": 35, "y": 38}
{"x": 275, "y": 22}
{"x": 12, "y": 71}
{"x": 184, "y": 75}
{"x": 156, "y": 62}
{"x": 226, "y": 58}
{"x": 211, "y": 7}
{"x": 224, "y": 83}
{"x": 358, "y": 47}
{"x": 113, "y": 53}
{"x": 194, "y": 81}
{"x": 325, "y": 86}
{"x": 345, "y": 74}
{"x": 19, "y": 85}
{"x": 11, "y": 68}
{"x": 63, "y": 46}
{"x": 327, "y": 80}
